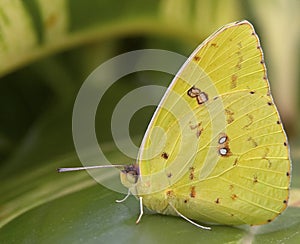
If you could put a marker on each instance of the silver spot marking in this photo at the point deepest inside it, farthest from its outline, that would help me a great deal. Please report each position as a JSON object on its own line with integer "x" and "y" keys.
{"x": 194, "y": 92}
{"x": 202, "y": 98}
{"x": 223, "y": 151}
{"x": 222, "y": 139}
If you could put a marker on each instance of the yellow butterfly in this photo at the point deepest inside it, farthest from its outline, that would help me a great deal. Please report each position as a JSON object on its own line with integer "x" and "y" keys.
{"x": 215, "y": 150}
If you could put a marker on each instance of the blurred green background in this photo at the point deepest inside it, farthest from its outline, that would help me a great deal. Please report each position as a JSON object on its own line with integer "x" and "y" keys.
{"x": 47, "y": 50}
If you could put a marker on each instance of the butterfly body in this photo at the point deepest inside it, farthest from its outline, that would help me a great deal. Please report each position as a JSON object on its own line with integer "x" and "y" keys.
{"x": 215, "y": 149}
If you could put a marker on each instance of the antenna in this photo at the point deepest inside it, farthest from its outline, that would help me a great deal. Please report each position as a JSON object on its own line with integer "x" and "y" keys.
{"x": 61, "y": 170}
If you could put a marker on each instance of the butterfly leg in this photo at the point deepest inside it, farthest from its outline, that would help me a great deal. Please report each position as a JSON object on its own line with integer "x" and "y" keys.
{"x": 122, "y": 200}
{"x": 187, "y": 219}
{"x": 141, "y": 210}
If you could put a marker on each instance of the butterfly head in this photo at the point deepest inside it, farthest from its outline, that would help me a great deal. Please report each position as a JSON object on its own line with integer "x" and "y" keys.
{"x": 130, "y": 175}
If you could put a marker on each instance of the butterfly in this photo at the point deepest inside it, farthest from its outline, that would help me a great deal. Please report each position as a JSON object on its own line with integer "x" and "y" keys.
{"x": 215, "y": 150}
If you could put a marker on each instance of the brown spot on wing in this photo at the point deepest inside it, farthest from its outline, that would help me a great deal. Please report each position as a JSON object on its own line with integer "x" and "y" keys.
{"x": 198, "y": 127}
{"x": 233, "y": 81}
{"x": 193, "y": 127}
{"x": 250, "y": 116}
{"x": 235, "y": 162}
{"x": 255, "y": 179}
{"x": 250, "y": 139}
{"x": 229, "y": 116}
{"x": 196, "y": 58}
{"x": 198, "y": 133}
{"x": 164, "y": 155}
{"x": 193, "y": 192}
{"x": 234, "y": 196}
{"x": 239, "y": 63}
{"x": 266, "y": 152}
{"x": 192, "y": 170}
{"x": 169, "y": 193}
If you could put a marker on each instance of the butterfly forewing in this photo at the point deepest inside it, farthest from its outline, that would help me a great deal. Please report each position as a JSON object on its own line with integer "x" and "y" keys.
{"x": 216, "y": 141}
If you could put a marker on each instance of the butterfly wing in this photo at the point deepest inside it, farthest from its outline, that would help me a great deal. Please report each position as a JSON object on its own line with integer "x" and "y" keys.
{"x": 216, "y": 140}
